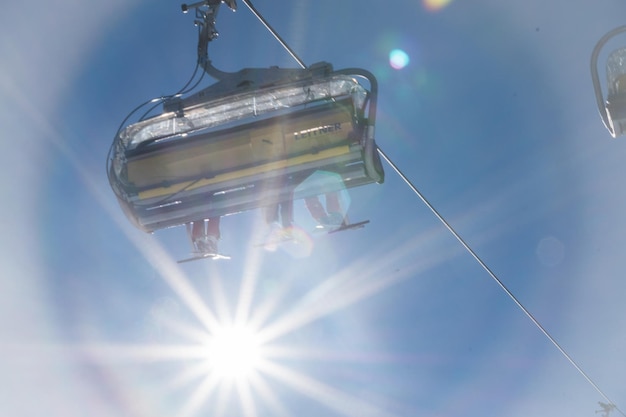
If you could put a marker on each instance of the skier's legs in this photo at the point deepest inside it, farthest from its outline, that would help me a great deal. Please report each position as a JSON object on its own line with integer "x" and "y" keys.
{"x": 315, "y": 207}
{"x": 213, "y": 228}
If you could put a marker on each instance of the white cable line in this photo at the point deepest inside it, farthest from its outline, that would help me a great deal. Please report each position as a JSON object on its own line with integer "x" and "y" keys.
{"x": 497, "y": 280}
{"x": 454, "y": 233}
{"x": 273, "y": 32}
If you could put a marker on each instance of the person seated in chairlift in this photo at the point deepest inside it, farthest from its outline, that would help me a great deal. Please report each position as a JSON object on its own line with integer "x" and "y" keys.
{"x": 329, "y": 217}
{"x": 279, "y": 218}
{"x": 205, "y": 235}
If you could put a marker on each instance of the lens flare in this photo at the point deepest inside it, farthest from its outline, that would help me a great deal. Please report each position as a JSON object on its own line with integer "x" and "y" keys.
{"x": 398, "y": 59}
{"x": 435, "y": 5}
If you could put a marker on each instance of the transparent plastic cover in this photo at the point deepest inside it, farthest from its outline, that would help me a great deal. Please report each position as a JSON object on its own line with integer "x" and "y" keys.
{"x": 246, "y": 105}
{"x": 616, "y": 72}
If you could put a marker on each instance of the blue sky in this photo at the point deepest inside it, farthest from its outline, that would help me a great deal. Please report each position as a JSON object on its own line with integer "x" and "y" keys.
{"x": 493, "y": 119}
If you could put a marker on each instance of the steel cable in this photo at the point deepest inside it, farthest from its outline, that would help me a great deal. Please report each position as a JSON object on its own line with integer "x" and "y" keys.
{"x": 496, "y": 279}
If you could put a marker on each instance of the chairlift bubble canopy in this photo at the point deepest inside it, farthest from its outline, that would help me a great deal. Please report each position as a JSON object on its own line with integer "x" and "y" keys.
{"x": 248, "y": 141}
{"x": 612, "y": 109}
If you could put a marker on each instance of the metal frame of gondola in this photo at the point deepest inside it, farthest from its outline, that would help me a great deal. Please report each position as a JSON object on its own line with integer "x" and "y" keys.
{"x": 170, "y": 206}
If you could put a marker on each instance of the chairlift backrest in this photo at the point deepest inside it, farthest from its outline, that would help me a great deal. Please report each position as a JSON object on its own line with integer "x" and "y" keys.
{"x": 228, "y": 154}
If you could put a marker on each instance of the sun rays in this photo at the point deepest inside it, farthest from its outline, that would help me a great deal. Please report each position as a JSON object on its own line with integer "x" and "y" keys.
{"x": 257, "y": 376}
{"x": 245, "y": 368}
{"x": 234, "y": 352}
{"x": 237, "y": 353}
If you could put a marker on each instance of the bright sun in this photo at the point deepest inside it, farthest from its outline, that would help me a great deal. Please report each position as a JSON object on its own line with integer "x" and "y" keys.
{"x": 233, "y": 352}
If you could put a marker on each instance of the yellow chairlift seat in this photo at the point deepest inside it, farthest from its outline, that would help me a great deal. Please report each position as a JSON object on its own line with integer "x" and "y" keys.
{"x": 248, "y": 141}
{"x": 242, "y": 151}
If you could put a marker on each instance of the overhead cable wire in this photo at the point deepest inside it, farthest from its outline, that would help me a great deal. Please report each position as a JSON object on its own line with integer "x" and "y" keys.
{"x": 496, "y": 279}
{"x": 455, "y": 234}
{"x": 273, "y": 32}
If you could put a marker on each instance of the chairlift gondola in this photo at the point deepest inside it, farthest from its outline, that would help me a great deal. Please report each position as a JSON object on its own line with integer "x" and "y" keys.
{"x": 248, "y": 141}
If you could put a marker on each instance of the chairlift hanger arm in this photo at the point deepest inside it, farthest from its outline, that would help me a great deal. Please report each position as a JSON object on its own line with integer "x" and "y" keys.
{"x": 205, "y": 20}
{"x": 206, "y": 14}
{"x": 230, "y": 3}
